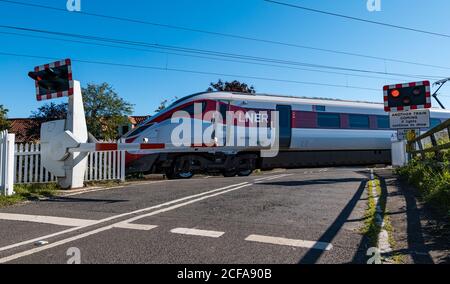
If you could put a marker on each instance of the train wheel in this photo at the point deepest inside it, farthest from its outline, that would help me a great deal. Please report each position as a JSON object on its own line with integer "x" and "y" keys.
{"x": 245, "y": 173}
{"x": 231, "y": 173}
{"x": 181, "y": 169}
{"x": 246, "y": 167}
{"x": 170, "y": 174}
{"x": 185, "y": 175}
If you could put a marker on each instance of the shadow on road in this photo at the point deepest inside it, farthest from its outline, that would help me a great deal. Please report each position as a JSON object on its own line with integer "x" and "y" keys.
{"x": 313, "y": 255}
{"x": 82, "y": 200}
{"x": 417, "y": 248}
{"x": 310, "y": 182}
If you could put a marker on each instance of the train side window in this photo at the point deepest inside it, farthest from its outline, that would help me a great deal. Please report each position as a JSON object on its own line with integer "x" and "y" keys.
{"x": 434, "y": 122}
{"x": 328, "y": 120}
{"x": 383, "y": 122}
{"x": 359, "y": 121}
{"x": 223, "y": 108}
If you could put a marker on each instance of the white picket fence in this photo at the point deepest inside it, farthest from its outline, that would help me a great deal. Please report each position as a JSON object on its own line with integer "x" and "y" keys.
{"x": 101, "y": 166}
{"x": 6, "y": 163}
{"x": 28, "y": 165}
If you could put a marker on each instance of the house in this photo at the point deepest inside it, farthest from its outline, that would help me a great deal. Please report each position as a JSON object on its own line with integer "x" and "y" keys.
{"x": 20, "y": 127}
{"x": 133, "y": 122}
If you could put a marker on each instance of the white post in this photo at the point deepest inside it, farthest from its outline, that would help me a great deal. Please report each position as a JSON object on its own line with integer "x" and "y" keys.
{"x": 122, "y": 155}
{"x": 3, "y": 139}
{"x": 10, "y": 166}
{"x": 399, "y": 155}
{"x": 75, "y": 165}
{"x": 122, "y": 166}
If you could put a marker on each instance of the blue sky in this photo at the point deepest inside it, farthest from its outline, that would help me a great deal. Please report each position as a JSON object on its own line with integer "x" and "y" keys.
{"x": 254, "y": 18}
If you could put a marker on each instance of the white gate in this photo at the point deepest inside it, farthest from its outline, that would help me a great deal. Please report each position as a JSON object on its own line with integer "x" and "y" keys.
{"x": 6, "y": 163}
{"x": 108, "y": 165}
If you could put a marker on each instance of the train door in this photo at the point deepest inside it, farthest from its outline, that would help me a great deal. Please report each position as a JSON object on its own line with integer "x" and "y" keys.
{"x": 285, "y": 118}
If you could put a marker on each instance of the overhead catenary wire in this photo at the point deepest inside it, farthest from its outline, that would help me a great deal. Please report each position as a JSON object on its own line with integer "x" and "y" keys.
{"x": 191, "y": 71}
{"x": 358, "y": 19}
{"x": 216, "y": 53}
{"x": 234, "y": 36}
{"x": 203, "y": 57}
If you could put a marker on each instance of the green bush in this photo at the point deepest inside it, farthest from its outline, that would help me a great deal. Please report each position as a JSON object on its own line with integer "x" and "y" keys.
{"x": 432, "y": 179}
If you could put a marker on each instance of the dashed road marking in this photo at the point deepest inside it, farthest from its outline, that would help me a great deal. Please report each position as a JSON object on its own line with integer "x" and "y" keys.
{"x": 175, "y": 204}
{"x": 96, "y": 231}
{"x": 289, "y": 242}
{"x": 120, "y": 216}
{"x": 196, "y": 232}
{"x": 60, "y": 221}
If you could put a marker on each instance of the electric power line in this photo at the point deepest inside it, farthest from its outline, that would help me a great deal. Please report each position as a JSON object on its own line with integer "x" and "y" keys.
{"x": 216, "y": 53}
{"x": 204, "y": 57}
{"x": 235, "y": 36}
{"x": 192, "y": 71}
{"x": 358, "y": 19}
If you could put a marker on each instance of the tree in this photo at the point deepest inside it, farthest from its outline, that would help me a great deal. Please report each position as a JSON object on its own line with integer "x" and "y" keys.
{"x": 45, "y": 113}
{"x": 105, "y": 110}
{"x": 161, "y": 106}
{"x": 4, "y": 124}
{"x": 234, "y": 86}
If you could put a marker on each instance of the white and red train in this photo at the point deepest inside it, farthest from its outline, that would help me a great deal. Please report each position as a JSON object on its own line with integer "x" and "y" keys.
{"x": 312, "y": 132}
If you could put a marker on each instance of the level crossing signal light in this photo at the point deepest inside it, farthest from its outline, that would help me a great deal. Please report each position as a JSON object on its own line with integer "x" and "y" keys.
{"x": 410, "y": 96}
{"x": 53, "y": 80}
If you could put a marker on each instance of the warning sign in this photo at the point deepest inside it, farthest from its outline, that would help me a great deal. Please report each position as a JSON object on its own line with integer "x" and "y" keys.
{"x": 410, "y": 119}
{"x": 402, "y": 134}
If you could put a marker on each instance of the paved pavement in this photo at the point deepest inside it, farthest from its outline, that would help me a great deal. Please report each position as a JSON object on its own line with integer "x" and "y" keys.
{"x": 286, "y": 216}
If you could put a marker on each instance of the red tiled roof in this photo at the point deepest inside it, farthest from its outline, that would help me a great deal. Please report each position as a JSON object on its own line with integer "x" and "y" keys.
{"x": 137, "y": 119}
{"x": 19, "y": 127}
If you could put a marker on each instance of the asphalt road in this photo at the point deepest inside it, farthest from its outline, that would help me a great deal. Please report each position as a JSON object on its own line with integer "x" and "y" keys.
{"x": 291, "y": 216}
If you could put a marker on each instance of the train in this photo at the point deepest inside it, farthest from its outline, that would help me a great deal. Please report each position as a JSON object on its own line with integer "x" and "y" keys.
{"x": 309, "y": 132}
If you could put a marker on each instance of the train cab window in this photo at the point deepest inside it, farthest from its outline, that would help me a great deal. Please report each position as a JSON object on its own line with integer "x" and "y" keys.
{"x": 359, "y": 121}
{"x": 191, "y": 108}
{"x": 383, "y": 122}
{"x": 328, "y": 120}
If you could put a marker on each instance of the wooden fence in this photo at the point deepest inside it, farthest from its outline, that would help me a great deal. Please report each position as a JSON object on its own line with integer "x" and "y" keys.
{"x": 435, "y": 141}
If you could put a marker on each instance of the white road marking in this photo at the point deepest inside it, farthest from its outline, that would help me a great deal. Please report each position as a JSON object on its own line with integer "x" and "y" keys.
{"x": 196, "y": 232}
{"x": 118, "y": 216}
{"x": 80, "y": 192}
{"x": 130, "y": 226}
{"x": 52, "y": 245}
{"x": 77, "y": 237}
{"x": 289, "y": 242}
{"x": 216, "y": 192}
{"x": 69, "y": 222}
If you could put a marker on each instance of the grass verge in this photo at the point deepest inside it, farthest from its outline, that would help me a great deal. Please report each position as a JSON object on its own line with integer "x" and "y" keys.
{"x": 372, "y": 228}
{"x": 432, "y": 179}
{"x": 29, "y": 192}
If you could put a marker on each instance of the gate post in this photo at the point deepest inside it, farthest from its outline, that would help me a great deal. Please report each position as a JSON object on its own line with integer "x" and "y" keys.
{"x": 10, "y": 166}
{"x": 75, "y": 165}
